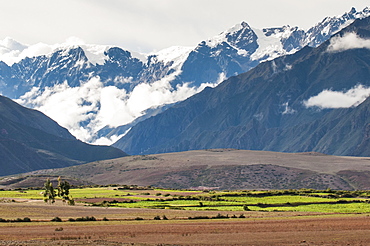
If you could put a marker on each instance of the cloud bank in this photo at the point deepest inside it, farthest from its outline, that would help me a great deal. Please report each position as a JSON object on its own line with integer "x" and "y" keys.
{"x": 86, "y": 109}
{"x": 348, "y": 41}
{"x": 339, "y": 99}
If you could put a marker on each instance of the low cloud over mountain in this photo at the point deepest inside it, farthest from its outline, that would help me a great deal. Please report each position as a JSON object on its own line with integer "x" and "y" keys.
{"x": 339, "y": 99}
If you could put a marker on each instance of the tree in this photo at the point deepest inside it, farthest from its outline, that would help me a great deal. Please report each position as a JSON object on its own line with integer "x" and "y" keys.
{"x": 49, "y": 192}
{"x": 63, "y": 191}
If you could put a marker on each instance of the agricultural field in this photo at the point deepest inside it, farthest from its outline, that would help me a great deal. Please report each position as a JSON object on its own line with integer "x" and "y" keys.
{"x": 147, "y": 216}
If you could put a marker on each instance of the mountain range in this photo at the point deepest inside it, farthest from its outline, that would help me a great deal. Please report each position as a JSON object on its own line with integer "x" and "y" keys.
{"x": 29, "y": 140}
{"x": 313, "y": 100}
{"x": 97, "y": 78}
{"x": 276, "y": 89}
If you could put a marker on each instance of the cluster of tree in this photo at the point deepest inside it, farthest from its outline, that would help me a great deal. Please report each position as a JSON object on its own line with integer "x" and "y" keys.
{"x": 26, "y": 219}
{"x": 62, "y": 192}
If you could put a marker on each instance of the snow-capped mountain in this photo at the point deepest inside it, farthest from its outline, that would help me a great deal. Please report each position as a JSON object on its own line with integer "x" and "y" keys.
{"x": 316, "y": 99}
{"x": 89, "y": 87}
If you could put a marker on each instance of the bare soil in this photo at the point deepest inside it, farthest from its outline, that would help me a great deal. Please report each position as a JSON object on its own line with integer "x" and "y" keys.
{"x": 308, "y": 231}
{"x": 207, "y": 169}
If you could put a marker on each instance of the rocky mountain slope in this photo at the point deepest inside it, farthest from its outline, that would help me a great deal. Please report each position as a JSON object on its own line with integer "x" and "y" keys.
{"x": 313, "y": 100}
{"x": 29, "y": 141}
{"x": 95, "y": 78}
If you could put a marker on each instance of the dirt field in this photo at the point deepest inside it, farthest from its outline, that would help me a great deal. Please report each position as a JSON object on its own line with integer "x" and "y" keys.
{"x": 258, "y": 228}
{"x": 309, "y": 231}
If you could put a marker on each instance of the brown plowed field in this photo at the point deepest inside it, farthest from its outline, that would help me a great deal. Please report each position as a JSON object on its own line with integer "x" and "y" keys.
{"x": 309, "y": 231}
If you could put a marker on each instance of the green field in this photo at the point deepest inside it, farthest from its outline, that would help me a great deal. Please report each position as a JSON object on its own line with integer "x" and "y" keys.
{"x": 326, "y": 201}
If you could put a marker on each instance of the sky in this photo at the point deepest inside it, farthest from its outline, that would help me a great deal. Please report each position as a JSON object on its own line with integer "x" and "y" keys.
{"x": 151, "y": 25}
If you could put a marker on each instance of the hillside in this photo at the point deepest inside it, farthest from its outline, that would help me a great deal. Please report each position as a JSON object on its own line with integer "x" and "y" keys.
{"x": 226, "y": 169}
{"x": 293, "y": 104}
{"x": 29, "y": 140}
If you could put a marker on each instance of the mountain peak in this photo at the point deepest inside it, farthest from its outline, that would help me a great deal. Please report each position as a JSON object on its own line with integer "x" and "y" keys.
{"x": 232, "y": 35}
{"x": 237, "y": 28}
{"x": 353, "y": 10}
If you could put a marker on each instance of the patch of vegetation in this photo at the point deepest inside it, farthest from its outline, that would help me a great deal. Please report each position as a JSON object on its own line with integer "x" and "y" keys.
{"x": 87, "y": 218}
{"x": 302, "y": 200}
{"x": 26, "y": 219}
{"x": 56, "y": 219}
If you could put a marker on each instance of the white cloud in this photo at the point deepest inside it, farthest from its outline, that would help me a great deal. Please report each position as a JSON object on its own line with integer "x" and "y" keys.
{"x": 69, "y": 106}
{"x": 339, "y": 99}
{"x": 348, "y": 41}
{"x": 108, "y": 140}
{"x": 86, "y": 109}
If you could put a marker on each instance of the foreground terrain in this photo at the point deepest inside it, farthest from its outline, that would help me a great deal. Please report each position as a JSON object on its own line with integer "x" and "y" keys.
{"x": 184, "y": 217}
{"x": 290, "y": 230}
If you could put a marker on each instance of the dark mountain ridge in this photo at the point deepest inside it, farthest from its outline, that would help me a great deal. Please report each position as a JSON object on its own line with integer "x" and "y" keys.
{"x": 29, "y": 141}
{"x": 264, "y": 109}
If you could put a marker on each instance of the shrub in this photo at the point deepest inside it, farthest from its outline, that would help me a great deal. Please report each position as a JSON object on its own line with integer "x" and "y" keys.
{"x": 71, "y": 202}
{"x": 198, "y": 218}
{"x": 57, "y": 219}
{"x": 245, "y": 208}
{"x": 157, "y": 218}
{"x": 220, "y": 216}
{"x": 87, "y": 218}
{"x": 26, "y": 219}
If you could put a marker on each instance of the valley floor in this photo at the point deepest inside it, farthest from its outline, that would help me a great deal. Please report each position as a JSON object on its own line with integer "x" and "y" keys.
{"x": 257, "y": 228}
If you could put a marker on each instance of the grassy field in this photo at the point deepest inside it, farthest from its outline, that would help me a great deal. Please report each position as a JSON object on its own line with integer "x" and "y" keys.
{"x": 327, "y": 201}
{"x": 156, "y": 216}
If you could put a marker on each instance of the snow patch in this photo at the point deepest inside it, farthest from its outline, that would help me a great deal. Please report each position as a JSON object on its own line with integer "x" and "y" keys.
{"x": 12, "y": 51}
{"x": 287, "y": 109}
{"x": 269, "y": 47}
{"x": 220, "y": 38}
{"x": 175, "y": 54}
{"x": 141, "y": 56}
